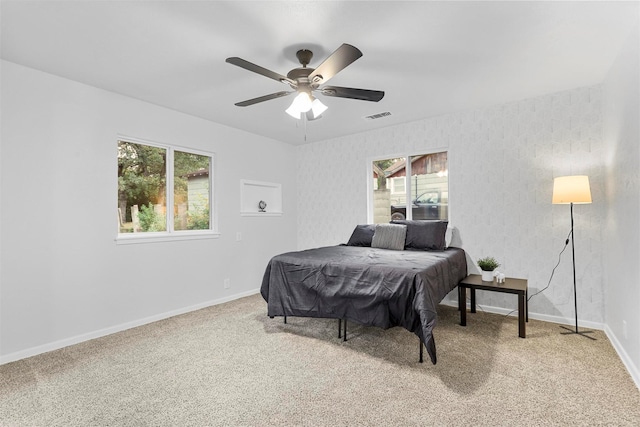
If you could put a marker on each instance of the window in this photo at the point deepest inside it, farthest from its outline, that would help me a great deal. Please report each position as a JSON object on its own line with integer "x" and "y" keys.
{"x": 152, "y": 177}
{"x": 398, "y": 186}
{"x": 420, "y": 182}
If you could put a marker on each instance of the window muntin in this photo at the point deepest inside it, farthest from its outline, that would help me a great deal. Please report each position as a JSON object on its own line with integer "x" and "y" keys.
{"x": 152, "y": 177}
{"x": 425, "y": 185}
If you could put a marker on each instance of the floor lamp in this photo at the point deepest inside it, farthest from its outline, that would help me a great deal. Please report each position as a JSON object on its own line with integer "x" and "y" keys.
{"x": 571, "y": 190}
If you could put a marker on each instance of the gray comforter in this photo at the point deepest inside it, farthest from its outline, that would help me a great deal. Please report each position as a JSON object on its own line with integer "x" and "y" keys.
{"x": 376, "y": 287}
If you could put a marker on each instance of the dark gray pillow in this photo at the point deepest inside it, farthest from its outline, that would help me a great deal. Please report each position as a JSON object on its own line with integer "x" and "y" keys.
{"x": 425, "y": 235}
{"x": 389, "y": 236}
{"x": 362, "y": 235}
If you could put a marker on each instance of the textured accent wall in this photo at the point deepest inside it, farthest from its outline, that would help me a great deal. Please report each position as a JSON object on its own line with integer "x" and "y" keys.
{"x": 502, "y": 161}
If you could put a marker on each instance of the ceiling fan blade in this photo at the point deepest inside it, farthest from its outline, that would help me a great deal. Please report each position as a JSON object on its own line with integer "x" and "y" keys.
{"x": 336, "y": 62}
{"x": 259, "y": 70}
{"x": 352, "y": 93}
{"x": 262, "y": 98}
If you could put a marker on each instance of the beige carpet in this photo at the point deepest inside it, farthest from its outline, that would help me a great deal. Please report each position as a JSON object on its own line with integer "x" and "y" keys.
{"x": 231, "y": 365}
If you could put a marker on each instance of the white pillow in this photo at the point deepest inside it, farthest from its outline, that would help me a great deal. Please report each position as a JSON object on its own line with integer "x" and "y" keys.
{"x": 389, "y": 236}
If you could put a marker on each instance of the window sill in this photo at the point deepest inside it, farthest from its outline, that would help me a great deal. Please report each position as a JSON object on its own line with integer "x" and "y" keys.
{"x": 135, "y": 238}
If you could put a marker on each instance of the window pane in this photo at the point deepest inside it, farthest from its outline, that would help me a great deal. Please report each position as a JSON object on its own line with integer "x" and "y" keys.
{"x": 386, "y": 201}
{"x": 191, "y": 183}
{"x": 141, "y": 187}
{"x": 429, "y": 186}
{"x": 398, "y": 186}
{"x": 428, "y": 195}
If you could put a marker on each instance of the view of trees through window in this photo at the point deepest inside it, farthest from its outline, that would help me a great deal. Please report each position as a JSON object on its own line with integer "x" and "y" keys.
{"x": 142, "y": 189}
{"x": 421, "y": 194}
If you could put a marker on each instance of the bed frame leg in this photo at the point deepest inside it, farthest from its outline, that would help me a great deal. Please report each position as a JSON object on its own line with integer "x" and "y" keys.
{"x": 285, "y": 320}
{"x": 421, "y": 346}
{"x": 340, "y": 334}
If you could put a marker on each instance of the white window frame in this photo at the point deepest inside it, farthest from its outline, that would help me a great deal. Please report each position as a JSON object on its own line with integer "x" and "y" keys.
{"x": 171, "y": 235}
{"x": 407, "y": 156}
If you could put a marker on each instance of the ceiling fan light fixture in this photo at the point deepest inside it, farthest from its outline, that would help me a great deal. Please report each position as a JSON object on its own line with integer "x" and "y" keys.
{"x": 301, "y": 104}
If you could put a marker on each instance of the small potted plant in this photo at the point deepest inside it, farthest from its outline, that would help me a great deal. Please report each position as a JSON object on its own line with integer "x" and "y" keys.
{"x": 487, "y": 265}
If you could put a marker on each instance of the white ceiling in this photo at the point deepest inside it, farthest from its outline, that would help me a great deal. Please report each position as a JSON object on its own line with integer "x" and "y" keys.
{"x": 430, "y": 58}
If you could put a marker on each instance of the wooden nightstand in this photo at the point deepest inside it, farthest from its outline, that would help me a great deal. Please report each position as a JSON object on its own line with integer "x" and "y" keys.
{"x": 510, "y": 286}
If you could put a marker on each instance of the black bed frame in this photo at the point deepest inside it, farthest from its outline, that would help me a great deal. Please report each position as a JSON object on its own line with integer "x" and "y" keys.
{"x": 342, "y": 333}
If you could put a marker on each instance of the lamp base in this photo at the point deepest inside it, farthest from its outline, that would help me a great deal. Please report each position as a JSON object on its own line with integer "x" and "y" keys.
{"x": 583, "y": 333}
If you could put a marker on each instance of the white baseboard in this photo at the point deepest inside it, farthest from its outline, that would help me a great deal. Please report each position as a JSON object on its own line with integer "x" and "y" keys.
{"x": 34, "y": 351}
{"x": 544, "y": 317}
{"x": 626, "y": 360}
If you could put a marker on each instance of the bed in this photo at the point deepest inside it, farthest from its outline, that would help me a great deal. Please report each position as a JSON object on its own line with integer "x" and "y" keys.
{"x": 368, "y": 282}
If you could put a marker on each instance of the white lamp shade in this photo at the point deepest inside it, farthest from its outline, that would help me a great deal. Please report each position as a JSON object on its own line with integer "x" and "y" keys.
{"x": 318, "y": 108}
{"x": 293, "y": 112}
{"x": 571, "y": 189}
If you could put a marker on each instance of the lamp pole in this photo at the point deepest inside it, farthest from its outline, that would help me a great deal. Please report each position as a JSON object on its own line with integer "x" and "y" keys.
{"x": 575, "y": 292}
{"x": 573, "y": 254}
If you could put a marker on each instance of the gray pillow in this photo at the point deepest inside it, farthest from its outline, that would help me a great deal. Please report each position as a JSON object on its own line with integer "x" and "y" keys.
{"x": 389, "y": 236}
{"x": 425, "y": 235}
{"x": 362, "y": 235}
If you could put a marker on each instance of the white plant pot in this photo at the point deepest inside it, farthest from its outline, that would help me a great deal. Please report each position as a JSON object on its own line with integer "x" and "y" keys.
{"x": 487, "y": 276}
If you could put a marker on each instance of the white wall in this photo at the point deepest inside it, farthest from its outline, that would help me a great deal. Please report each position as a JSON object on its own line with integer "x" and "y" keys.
{"x": 63, "y": 277}
{"x": 502, "y": 161}
{"x": 622, "y": 231}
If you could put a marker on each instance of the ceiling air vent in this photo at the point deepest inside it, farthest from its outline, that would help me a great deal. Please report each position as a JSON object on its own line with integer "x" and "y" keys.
{"x": 377, "y": 116}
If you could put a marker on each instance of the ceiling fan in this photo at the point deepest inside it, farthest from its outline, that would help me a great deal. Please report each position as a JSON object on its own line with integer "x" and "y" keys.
{"x": 305, "y": 81}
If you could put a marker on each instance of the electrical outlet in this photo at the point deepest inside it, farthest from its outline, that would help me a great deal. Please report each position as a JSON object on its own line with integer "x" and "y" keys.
{"x": 227, "y": 283}
{"x": 238, "y": 236}
{"x": 624, "y": 329}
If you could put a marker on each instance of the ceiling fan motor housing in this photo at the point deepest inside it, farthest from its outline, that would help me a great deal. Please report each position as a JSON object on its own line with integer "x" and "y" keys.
{"x": 301, "y": 75}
